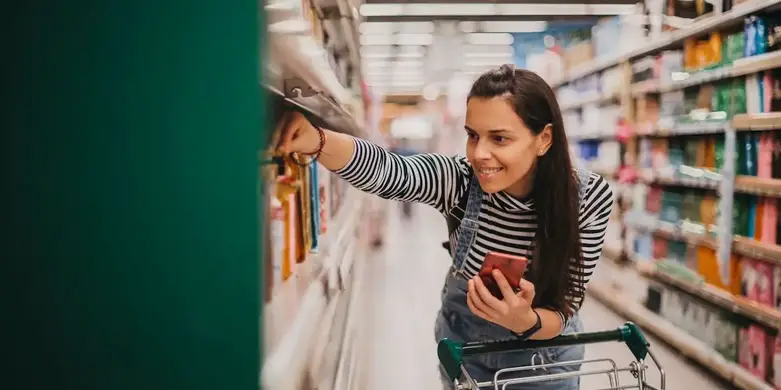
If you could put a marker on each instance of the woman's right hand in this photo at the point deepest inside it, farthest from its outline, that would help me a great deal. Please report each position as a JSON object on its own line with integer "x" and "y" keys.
{"x": 298, "y": 135}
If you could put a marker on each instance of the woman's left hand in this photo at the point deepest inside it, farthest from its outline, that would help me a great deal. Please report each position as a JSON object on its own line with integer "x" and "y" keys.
{"x": 514, "y": 312}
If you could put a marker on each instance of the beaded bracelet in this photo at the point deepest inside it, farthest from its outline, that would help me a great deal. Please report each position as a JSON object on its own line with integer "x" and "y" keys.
{"x": 314, "y": 155}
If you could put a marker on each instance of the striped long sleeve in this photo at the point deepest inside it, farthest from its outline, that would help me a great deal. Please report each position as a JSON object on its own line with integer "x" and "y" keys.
{"x": 432, "y": 179}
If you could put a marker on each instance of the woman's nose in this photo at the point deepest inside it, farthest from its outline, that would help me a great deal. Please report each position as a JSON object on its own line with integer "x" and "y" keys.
{"x": 482, "y": 151}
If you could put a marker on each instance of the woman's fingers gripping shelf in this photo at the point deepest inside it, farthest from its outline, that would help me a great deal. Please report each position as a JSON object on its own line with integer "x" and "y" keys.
{"x": 298, "y": 135}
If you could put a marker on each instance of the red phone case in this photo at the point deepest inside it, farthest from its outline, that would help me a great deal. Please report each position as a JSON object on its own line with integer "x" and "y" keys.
{"x": 512, "y": 267}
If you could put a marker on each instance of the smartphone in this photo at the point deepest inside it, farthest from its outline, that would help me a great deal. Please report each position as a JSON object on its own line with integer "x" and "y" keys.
{"x": 512, "y": 267}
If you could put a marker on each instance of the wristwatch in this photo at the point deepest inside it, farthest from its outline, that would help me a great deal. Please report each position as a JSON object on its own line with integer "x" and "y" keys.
{"x": 531, "y": 331}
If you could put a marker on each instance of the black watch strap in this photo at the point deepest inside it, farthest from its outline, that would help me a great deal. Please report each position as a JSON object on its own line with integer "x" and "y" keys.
{"x": 531, "y": 331}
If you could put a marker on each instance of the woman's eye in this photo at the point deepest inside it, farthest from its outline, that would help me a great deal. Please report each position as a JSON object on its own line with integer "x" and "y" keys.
{"x": 472, "y": 136}
{"x": 499, "y": 139}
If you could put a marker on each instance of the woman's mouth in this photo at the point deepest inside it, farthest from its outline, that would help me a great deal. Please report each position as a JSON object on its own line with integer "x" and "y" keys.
{"x": 487, "y": 173}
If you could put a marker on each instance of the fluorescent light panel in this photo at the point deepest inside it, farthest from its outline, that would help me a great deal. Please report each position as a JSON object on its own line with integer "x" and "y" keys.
{"x": 514, "y": 27}
{"x": 396, "y": 27}
{"x": 388, "y": 64}
{"x": 396, "y": 39}
{"x": 387, "y": 52}
{"x": 401, "y": 84}
{"x": 489, "y": 9}
{"x": 398, "y": 73}
{"x": 292, "y": 26}
{"x": 490, "y": 39}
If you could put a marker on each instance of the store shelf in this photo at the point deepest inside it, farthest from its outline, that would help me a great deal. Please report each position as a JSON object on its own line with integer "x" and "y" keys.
{"x": 688, "y": 345}
{"x": 576, "y": 137}
{"x": 296, "y": 314}
{"x": 770, "y": 253}
{"x": 743, "y": 184}
{"x": 744, "y": 246}
{"x": 757, "y": 122}
{"x": 690, "y": 182}
{"x": 300, "y": 73}
{"x": 758, "y": 186}
{"x": 597, "y": 98}
{"x": 682, "y": 128}
{"x": 730, "y": 18}
{"x": 740, "y": 67}
{"x": 743, "y": 307}
{"x": 670, "y": 231}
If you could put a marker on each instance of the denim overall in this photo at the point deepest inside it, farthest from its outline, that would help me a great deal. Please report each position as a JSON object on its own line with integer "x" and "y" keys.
{"x": 455, "y": 321}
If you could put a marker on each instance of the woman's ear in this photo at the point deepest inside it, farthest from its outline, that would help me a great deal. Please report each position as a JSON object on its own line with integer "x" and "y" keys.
{"x": 544, "y": 140}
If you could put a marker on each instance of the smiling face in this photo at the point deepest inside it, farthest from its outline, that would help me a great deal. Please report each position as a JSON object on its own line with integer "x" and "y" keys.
{"x": 502, "y": 149}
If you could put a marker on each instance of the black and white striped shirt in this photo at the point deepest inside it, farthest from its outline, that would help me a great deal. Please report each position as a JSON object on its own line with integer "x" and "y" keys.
{"x": 506, "y": 224}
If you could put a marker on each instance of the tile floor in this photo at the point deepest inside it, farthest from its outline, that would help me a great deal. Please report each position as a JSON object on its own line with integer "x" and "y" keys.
{"x": 407, "y": 274}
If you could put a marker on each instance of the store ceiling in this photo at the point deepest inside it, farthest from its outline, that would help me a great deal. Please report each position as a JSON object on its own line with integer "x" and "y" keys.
{"x": 409, "y": 46}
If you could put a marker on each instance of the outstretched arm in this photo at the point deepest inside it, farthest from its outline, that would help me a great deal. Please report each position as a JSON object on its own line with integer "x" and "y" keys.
{"x": 432, "y": 179}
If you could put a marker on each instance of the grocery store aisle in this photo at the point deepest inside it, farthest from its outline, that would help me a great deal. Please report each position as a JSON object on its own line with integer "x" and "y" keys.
{"x": 408, "y": 273}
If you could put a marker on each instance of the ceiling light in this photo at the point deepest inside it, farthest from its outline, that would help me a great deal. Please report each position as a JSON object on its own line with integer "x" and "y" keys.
{"x": 283, "y": 5}
{"x": 467, "y": 26}
{"x": 291, "y": 26}
{"x": 514, "y": 27}
{"x": 377, "y": 56}
{"x": 396, "y": 84}
{"x": 490, "y": 39}
{"x": 394, "y": 73}
{"x": 396, "y": 39}
{"x": 382, "y": 9}
{"x": 422, "y": 9}
{"x": 395, "y": 27}
{"x": 565, "y": 9}
{"x": 489, "y": 9}
{"x": 379, "y": 51}
{"x": 387, "y": 64}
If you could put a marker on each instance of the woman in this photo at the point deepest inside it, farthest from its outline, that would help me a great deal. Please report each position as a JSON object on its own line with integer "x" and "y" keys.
{"x": 518, "y": 193}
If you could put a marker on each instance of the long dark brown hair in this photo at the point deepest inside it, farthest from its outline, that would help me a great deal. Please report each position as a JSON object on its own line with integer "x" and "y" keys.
{"x": 557, "y": 265}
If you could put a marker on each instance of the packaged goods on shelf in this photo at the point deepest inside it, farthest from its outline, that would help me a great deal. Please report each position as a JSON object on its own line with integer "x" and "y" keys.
{"x": 578, "y": 54}
{"x": 688, "y": 9}
{"x": 680, "y": 97}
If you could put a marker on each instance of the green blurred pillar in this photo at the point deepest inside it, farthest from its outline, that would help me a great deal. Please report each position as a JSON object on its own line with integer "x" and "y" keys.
{"x": 131, "y": 195}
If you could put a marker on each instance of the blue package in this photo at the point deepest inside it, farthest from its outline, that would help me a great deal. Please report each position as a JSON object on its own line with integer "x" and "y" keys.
{"x": 314, "y": 205}
{"x": 749, "y": 49}
{"x": 760, "y": 35}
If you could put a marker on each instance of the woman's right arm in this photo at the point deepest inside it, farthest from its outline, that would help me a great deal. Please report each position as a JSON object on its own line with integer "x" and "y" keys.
{"x": 432, "y": 179}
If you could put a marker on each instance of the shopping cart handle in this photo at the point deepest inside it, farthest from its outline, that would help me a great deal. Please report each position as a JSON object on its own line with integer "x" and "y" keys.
{"x": 451, "y": 353}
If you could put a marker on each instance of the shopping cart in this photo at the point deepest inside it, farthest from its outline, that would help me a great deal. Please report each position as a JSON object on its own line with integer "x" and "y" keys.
{"x": 452, "y": 353}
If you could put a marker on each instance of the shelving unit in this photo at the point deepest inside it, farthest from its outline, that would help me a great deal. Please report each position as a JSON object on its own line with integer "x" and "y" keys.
{"x": 705, "y": 267}
{"x": 311, "y": 325}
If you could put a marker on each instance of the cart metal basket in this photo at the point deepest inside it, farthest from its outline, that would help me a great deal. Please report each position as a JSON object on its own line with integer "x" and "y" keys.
{"x": 452, "y": 354}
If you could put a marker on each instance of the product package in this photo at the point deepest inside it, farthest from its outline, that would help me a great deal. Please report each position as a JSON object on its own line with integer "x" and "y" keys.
{"x": 755, "y": 351}
{"x": 725, "y": 339}
{"x": 776, "y": 380}
{"x": 659, "y": 248}
{"x": 314, "y": 206}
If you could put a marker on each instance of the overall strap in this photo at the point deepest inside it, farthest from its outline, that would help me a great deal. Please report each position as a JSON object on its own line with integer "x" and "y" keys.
{"x": 469, "y": 224}
{"x": 584, "y": 177}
